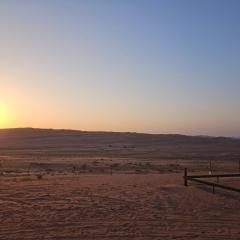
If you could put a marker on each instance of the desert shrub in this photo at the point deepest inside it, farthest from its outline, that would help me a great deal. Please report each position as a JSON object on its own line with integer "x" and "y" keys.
{"x": 115, "y": 165}
{"x": 49, "y": 170}
{"x": 84, "y": 166}
{"x": 39, "y": 176}
{"x": 74, "y": 168}
{"x": 26, "y": 179}
{"x": 95, "y": 162}
{"x": 138, "y": 171}
{"x": 101, "y": 170}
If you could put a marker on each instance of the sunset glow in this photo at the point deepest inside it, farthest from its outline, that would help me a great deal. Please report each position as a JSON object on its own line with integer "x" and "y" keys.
{"x": 119, "y": 119}
{"x": 141, "y": 66}
{"x": 4, "y": 116}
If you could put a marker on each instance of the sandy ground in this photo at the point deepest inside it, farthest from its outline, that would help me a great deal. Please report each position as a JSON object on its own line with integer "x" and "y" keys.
{"x": 118, "y": 206}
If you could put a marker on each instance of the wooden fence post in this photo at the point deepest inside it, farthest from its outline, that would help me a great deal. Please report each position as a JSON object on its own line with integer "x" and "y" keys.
{"x": 1, "y": 167}
{"x": 185, "y": 177}
{"x": 210, "y": 166}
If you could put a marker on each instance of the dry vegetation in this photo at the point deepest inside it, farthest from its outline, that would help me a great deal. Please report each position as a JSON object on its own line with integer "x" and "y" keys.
{"x": 23, "y": 150}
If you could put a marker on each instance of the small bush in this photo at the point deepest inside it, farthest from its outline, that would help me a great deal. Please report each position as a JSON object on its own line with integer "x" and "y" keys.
{"x": 84, "y": 166}
{"x": 115, "y": 165}
{"x": 26, "y": 179}
{"x": 39, "y": 176}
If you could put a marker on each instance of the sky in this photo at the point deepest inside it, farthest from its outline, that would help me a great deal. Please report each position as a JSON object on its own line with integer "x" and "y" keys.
{"x": 154, "y": 66}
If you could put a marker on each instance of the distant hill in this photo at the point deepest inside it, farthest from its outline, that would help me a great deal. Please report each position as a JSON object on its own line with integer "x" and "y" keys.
{"x": 61, "y": 149}
{"x": 31, "y": 137}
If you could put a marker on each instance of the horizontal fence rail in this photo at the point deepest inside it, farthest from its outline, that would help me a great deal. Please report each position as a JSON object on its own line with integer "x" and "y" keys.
{"x": 216, "y": 175}
{"x": 197, "y": 178}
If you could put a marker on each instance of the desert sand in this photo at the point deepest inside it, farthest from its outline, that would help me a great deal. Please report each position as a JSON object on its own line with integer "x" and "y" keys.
{"x": 81, "y": 185}
{"x": 118, "y": 206}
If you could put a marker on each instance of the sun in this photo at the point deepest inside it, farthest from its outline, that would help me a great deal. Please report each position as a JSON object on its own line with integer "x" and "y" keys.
{"x": 4, "y": 116}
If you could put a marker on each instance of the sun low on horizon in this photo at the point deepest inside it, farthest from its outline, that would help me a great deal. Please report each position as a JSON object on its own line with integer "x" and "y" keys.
{"x": 4, "y": 116}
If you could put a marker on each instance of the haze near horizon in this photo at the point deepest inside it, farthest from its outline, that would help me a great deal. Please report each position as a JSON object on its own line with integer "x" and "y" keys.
{"x": 144, "y": 66}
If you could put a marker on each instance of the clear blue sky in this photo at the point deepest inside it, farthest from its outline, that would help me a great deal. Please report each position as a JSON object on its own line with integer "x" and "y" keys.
{"x": 160, "y": 66}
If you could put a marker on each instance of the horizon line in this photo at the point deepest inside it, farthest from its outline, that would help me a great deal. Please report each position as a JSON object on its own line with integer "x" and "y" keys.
{"x": 130, "y": 132}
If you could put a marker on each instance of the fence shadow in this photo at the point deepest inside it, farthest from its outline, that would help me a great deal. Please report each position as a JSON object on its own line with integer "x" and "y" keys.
{"x": 219, "y": 192}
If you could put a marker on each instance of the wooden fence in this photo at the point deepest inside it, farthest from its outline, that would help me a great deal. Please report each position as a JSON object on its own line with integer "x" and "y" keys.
{"x": 198, "y": 178}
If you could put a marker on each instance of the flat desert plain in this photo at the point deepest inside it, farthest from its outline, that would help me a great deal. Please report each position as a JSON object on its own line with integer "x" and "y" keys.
{"x": 82, "y": 185}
